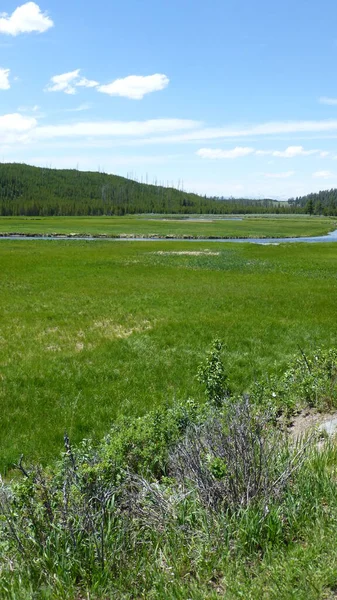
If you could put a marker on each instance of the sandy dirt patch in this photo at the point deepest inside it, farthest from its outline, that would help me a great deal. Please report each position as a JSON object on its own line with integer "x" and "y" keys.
{"x": 308, "y": 421}
{"x": 187, "y": 253}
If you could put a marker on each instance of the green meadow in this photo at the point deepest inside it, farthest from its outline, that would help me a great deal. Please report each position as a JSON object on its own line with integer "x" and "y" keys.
{"x": 199, "y": 227}
{"x": 93, "y": 330}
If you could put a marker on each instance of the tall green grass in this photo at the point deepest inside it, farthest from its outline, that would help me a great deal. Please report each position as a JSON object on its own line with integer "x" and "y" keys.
{"x": 90, "y": 331}
{"x": 205, "y": 226}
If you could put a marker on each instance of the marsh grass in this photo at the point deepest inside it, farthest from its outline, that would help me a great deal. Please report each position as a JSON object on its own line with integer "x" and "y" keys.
{"x": 91, "y": 331}
{"x": 156, "y": 225}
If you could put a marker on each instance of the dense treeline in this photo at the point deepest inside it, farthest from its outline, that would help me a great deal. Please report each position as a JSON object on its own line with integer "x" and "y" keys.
{"x": 34, "y": 191}
{"x": 321, "y": 203}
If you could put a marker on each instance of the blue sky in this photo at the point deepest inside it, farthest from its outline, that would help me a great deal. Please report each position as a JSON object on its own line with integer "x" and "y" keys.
{"x": 229, "y": 97}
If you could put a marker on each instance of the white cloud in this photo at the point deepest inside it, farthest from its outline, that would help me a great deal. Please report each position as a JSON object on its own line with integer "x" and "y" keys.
{"x": 323, "y": 174}
{"x": 15, "y": 128}
{"x": 135, "y": 86}
{"x": 329, "y": 101}
{"x": 80, "y": 108}
{"x": 29, "y": 109}
{"x": 264, "y": 129}
{"x": 178, "y": 130}
{"x": 114, "y": 128}
{"x": 15, "y": 122}
{"x": 91, "y": 133}
{"x": 68, "y": 82}
{"x": 4, "y": 79}
{"x": 89, "y": 83}
{"x": 217, "y": 153}
{"x": 293, "y": 151}
{"x": 64, "y": 83}
{"x": 25, "y": 19}
{"x": 290, "y": 152}
{"x": 282, "y": 127}
{"x": 279, "y": 175}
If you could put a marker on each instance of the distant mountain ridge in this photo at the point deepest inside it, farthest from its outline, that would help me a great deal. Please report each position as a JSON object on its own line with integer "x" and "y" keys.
{"x": 34, "y": 191}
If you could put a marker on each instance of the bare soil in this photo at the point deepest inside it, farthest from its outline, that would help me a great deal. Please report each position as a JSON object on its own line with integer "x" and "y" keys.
{"x": 307, "y": 421}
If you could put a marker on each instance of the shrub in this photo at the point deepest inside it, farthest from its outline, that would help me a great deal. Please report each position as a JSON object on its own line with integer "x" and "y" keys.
{"x": 233, "y": 459}
{"x": 310, "y": 380}
{"x": 212, "y": 375}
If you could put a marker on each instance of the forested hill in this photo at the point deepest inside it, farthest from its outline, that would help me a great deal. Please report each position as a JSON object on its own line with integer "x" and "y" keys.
{"x": 35, "y": 191}
{"x": 324, "y": 202}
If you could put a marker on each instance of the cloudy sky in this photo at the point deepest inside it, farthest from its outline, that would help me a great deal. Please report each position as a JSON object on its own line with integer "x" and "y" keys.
{"x": 228, "y": 97}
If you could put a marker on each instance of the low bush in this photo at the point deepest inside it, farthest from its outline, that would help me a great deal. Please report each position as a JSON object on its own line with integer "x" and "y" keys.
{"x": 212, "y": 375}
{"x": 310, "y": 381}
{"x": 235, "y": 458}
{"x": 168, "y": 503}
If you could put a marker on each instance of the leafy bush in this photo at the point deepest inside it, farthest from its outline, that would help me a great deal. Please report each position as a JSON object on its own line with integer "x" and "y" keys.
{"x": 313, "y": 379}
{"x": 310, "y": 380}
{"x": 212, "y": 375}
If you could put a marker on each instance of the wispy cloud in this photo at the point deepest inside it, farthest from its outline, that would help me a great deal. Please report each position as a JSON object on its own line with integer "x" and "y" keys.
{"x": 89, "y": 131}
{"x": 290, "y": 152}
{"x": 237, "y": 152}
{"x": 4, "y": 79}
{"x": 284, "y": 175}
{"x": 114, "y": 128}
{"x": 273, "y": 128}
{"x": 27, "y": 18}
{"x": 80, "y": 108}
{"x": 29, "y": 109}
{"x": 68, "y": 82}
{"x": 88, "y": 83}
{"x": 109, "y": 133}
{"x": 327, "y": 100}
{"x": 323, "y": 174}
{"x": 135, "y": 86}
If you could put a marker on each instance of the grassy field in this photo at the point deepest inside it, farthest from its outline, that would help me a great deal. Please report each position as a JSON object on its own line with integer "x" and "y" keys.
{"x": 90, "y": 331}
{"x": 273, "y": 226}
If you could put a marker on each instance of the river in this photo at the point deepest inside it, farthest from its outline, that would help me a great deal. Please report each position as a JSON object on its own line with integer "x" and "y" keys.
{"x": 330, "y": 237}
